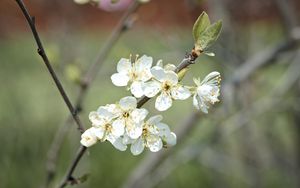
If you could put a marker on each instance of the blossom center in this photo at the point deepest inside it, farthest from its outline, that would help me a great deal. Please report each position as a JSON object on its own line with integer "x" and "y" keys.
{"x": 125, "y": 114}
{"x": 166, "y": 86}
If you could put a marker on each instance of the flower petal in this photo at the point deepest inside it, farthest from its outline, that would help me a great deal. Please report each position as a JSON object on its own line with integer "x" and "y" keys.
{"x": 119, "y": 79}
{"x": 95, "y": 119}
{"x": 118, "y": 127}
{"x": 138, "y": 115}
{"x": 151, "y": 88}
{"x": 134, "y": 130}
{"x": 158, "y": 73}
{"x": 196, "y": 102}
{"x": 144, "y": 62}
{"x": 170, "y": 67}
{"x": 137, "y": 147}
{"x": 124, "y": 66}
{"x": 180, "y": 93}
{"x": 104, "y": 113}
{"x": 163, "y": 102}
{"x": 171, "y": 139}
{"x": 164, "y": 129}
{"x": 172, "y": 77}
{"x": 154, "y": 143}
{"x": 136, "y": 89}
{"x": 117, "y": 143}
{"x": 154, "y": 119}
{"x": 128, "y": 103}
{"x": 88, "y": 138}
{"x": 99, "y": 132}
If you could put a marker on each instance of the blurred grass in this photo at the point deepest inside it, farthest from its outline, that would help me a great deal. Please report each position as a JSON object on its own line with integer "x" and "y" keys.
{"x": 31, "y": 110}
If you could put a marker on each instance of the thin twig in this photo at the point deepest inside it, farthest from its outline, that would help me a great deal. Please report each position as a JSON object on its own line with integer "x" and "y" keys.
{"x": 123, "y": 25}
{"x": 70, "y": 179}
{"x": 42, "y": 53}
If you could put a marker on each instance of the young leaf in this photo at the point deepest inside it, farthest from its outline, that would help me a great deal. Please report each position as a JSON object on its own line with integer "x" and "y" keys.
{"x": 200, "y": 25}
{"x": 209, "y": 36}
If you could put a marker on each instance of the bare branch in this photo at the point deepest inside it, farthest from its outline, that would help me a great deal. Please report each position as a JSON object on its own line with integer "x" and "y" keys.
{"x": 69, "y": 178}
{"x": 123, "y": 25}
{"x": 42, "y": 53}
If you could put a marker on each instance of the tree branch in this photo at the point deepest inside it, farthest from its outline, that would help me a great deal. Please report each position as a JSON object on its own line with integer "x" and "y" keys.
{"x": 123, "y": 25}
{"x": 42, "y": 53}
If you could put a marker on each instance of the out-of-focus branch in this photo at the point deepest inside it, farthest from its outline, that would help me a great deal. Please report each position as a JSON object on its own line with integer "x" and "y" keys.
{"x": 287, "y": 14}
{"x": 265, "y": 57}
{"x": 42, "y": 53}
{"x": 287, "y": 81}
{"x": 123, "y": 25}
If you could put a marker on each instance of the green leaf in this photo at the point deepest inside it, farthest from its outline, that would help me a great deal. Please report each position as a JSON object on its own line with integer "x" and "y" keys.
{"x": 209, "y": 36}
{"x": 200, "y": 25}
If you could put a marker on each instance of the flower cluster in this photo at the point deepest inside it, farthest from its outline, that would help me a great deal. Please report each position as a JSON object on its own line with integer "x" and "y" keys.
{"x": 124, "y": 124}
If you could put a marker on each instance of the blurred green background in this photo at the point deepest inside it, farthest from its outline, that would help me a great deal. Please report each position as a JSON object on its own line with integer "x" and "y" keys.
{"x": 263, "y": 152}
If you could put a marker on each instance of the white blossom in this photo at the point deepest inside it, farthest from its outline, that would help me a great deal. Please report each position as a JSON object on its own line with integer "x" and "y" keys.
{"x": 133, "y": 73}
{"x": 207, "y": 91}
{"x": 105, "y": 128}
{"x": 88, "y": 138}
{"x": 165, "y": 81}
{"x": 155, "y": 136}
{"x": 130, "y": 117}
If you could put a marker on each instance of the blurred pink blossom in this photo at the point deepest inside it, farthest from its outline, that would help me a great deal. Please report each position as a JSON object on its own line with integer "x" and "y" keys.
{"x": 107, "y": 5}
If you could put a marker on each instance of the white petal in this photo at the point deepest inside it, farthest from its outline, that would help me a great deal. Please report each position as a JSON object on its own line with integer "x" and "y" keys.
{"x": 210, "y": 76}
{"x": 95, "y": 119}
{"x": 127, "y": 140}
{"x": 134, "y": 131}
{"x": 158, "y": 73}
{"x": 180, "y": 93}
{"x": 144, "y": 62}
{"x": 128, "y": 103}
{"x": 119, "y": 79}
{"x": 136, "y": 89}
{"x": 117, "y": 143}
{"x": 118, "y": 127}
{"x": 154, "y": 119}
{"x": 196, "y": 102}
{"x": 171, "y": 77}
{"x": 124, "y": 66}
{"x": 99, "y": 132}
{"x": 154, "y": 143}
{"x": 137, "y": 147}
{"x": 197, "y": 81}
{"x": 171, "y": 139}
{"x": 88, "y": 138}
{"x": 104, "y": 113}
{"x": 160, "y": 63}
{"x": 170, "y": 67}
{"x": 151, "y": 88}
{"x": 163, "y": 102}
{"x": 163, "y": 129}
{"x": 138, "y": 115}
